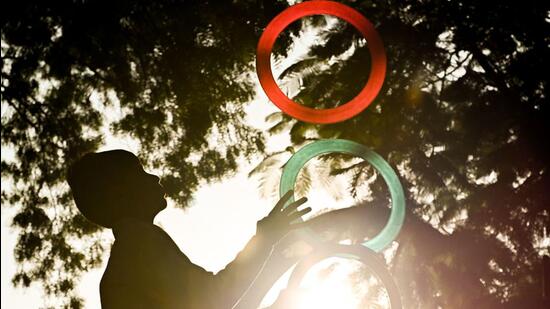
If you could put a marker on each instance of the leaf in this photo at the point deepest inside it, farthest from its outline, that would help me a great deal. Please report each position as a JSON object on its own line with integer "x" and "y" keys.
{"x": 274, "y": 117}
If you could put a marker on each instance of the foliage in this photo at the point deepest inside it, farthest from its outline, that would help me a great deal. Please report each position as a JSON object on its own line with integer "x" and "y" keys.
{"x": 463, "y": 116}
{"x": 178, "y": 71}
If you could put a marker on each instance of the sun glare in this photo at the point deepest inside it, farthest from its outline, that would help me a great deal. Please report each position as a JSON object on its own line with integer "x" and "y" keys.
{"x": 339, "y": 283}
{"x": 329, "y": 293}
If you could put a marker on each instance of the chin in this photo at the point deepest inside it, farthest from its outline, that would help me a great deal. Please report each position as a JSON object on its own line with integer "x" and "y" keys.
{"x": 163, "y": 204}
{"x": 158, "y": 206}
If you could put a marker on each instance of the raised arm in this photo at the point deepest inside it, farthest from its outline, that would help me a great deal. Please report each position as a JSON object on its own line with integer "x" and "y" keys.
{"x": 146, "y": 267}
{"x": 232, "y": 282}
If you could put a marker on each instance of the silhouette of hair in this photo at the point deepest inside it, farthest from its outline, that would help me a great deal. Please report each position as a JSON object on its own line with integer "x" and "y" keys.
{"x": 95, "y": 184}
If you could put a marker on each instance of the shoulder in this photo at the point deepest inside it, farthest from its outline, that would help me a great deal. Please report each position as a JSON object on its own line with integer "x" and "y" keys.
{"x": 136, "y": 255}
{"x": 145, "y": 242}
{"x": 136, "y": 243}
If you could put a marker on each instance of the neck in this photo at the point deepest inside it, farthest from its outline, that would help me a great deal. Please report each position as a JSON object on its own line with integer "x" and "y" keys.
{"x": 126, "y": 224}
{"x": 120, "y": 223}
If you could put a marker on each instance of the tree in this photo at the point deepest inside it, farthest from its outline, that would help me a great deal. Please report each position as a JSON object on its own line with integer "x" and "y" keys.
{"x": 179, "y": 71}
{"x": 462, "y": 116}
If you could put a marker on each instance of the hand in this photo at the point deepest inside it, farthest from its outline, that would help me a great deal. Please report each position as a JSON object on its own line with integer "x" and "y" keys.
{"x": 279, "y": 221}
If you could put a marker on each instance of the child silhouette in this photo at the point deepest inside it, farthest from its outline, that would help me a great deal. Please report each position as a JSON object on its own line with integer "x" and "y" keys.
{"x": 146, "y": 269}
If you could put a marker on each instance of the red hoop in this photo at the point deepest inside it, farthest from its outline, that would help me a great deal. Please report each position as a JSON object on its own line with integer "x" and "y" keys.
{"x": 331, "y": 115}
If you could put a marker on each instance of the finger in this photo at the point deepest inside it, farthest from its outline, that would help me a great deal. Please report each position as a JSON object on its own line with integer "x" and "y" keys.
{"x": 282, "y": 201}
{"x": 294, "y": 205}
{"x": 291, "y": 210}
{"x": 299, "y": 214}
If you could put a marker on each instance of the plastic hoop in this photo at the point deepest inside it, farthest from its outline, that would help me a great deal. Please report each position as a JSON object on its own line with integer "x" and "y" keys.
{"x": 368, "y": 257}
{"x": 331, "y": 115}
{"x": 397, "y": 216}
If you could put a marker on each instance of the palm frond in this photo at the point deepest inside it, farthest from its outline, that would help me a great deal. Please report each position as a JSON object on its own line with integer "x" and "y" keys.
{"x": 298, "y": 67}
{"x": 271, "y": 161}
{"x": 269, "y": 172}
{"x": 327, "y": 180}
{"x": 303, "y": 182}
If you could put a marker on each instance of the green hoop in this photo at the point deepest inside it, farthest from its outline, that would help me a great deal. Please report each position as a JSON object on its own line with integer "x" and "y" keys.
{"x": 308, "y": 152}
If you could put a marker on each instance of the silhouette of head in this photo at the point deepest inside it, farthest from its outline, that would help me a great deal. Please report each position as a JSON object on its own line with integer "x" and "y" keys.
{"x": 112, "y": 185}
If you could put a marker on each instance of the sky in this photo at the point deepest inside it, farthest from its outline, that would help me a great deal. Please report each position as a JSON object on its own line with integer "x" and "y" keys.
{"x": 211, "y": 232}
{"x": 218, "y": 223}
{"x": 216, "y": 226}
